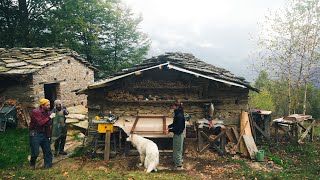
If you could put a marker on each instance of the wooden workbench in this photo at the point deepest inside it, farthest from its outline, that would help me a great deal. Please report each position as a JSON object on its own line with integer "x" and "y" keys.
{"x": 290, "y": 125}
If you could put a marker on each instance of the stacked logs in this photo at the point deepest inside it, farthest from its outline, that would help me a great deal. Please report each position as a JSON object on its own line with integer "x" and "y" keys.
{"x": 23, "y": 117}
{"x": 159, "y": 84}
{"x": 121, "y": 95}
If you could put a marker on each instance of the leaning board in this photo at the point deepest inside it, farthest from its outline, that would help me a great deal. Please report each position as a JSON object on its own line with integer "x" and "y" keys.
{"x": 250, "y": 145}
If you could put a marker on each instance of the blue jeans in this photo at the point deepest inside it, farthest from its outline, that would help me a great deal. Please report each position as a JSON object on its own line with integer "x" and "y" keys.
{"x": 36, "y": 140}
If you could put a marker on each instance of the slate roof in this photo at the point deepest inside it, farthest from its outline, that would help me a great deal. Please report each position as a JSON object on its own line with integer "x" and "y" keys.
{"x": 19, "y": 61}
{"x": 182, "y": 60}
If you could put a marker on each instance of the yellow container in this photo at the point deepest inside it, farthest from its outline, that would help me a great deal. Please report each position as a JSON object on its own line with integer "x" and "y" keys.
{"x": 103, "y": 128}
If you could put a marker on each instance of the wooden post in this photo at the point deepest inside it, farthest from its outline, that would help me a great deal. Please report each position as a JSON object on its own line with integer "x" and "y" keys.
{"x": 267, "y": 120}
{"x": 276, "y": 129}
{"x": 223, "y": 142}
{"x": 107, "y": 146}
{"x": 296, "y": 132}
{"x": 200, "y": 140}
{"x": 311, "y": 131}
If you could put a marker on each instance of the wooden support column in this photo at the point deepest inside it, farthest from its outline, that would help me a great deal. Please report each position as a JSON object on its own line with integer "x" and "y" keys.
{"x": 267, "y": 120}
{"x": 107, "y": 146}
{"x": 276, "y": 129}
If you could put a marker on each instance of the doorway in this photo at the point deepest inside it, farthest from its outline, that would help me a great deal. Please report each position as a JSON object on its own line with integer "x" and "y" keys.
{"x": 51, "y": 92}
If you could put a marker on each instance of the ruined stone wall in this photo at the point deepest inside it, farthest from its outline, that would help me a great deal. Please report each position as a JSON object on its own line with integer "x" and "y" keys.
{"x": 70, "y": 74}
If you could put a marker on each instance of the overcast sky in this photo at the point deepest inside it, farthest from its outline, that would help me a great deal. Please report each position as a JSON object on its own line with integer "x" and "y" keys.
{"x": 216, "y": 31}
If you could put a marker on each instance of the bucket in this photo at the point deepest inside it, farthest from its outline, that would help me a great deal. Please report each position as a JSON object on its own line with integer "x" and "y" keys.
{"x": 260, "y": 155}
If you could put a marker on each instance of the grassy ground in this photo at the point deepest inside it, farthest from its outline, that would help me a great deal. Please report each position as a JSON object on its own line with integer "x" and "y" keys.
{"x": 298, "y": 162}
{"x": 14, "y": 148}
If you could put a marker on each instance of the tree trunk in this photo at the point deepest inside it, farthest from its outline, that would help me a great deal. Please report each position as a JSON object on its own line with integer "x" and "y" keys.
{"x": 289, "y": 93}
{"x": 24, "y": 23}
{"x": 305, "y": 98}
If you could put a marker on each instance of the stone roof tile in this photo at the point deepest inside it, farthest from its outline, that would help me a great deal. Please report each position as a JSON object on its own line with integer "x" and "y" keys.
{"x": 16, "y": 61}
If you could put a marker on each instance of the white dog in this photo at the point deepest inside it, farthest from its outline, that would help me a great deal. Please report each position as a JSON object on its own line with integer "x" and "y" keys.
{"x": 148, "y": 150}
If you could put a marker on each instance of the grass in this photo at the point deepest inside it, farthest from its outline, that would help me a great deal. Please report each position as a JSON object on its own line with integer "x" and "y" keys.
{"x": 298, "y": 162}
{"x": 14, "y": 148}
{"x": 56, "y": 173}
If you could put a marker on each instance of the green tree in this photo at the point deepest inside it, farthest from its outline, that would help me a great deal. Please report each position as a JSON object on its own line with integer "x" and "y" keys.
{"x": 123, "y": 44}
{"x": 262, "y": 100}
{"x": 106, "y": 33}
{"x": 24, "y": 22}
{"x": 289, "y": 47}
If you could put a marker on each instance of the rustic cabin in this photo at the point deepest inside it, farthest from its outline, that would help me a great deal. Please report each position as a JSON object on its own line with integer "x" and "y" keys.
{"x": 29, "y": 74}
{"x": 141, "y": 96}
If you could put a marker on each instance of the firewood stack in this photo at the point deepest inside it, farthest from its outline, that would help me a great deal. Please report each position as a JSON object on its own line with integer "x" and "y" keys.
{"x": 23, "y": 118}
{"x": 121, "y": 95}
{"x": 159, "y": 84}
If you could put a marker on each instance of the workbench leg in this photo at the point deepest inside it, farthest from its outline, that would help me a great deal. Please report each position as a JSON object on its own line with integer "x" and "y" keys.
{"x": 114, "y": 142}
{"x": 200, "y": 140}
{"x": 120, "y": 140}
{"x": 107, "y": 146}
{"x": 311, "y": 134}
{"x": 223, "y": 143}
{"x": 276, "y": 129}
{"x": 296, "y": 133}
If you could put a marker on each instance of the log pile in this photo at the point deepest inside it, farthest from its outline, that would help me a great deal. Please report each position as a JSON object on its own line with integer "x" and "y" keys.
{"x": 160, "y": 84}
{"x": 23, "y": 117}
{"x": 121, "y": 95}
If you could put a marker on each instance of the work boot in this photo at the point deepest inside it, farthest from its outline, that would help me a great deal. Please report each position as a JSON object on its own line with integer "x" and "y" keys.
{"x": 63, "y": 153}
{"x": 179, "y": 168}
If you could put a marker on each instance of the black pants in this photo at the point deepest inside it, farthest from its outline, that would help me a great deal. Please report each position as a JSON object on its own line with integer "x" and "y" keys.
{"x": 59, "y": 143}
{"x": 37, "y": 140}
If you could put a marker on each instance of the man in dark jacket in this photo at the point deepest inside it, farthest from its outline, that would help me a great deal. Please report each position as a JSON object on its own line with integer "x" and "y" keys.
{"x": 177, "y": 127}
{"x": 40, "y": 133}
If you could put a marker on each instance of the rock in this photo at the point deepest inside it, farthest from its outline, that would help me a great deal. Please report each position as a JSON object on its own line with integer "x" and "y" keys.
{"x": 78, "y": 110}
{"x": 77, "y": 116}
{"x": 102, "y": 168}
{"x": 72, "y": 120}
{"x": 81, "y": 135}
{"x": 82, "y": 124}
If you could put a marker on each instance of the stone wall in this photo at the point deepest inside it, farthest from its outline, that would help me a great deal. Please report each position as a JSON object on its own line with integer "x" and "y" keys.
{"x": 70, "y": 74}
{"x": 17, "y": 88}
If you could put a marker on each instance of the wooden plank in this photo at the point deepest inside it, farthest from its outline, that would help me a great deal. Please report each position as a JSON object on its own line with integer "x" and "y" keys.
{"x": 107, "y": 146}
{"x": 235, "y": 132}
{"x": 134, "y": 124}
{"x": 244, "y": 126}
{"x": 250, "y": 145}
{"x": 164, "y": 125}
{"x": 260, "y": 130}
{"x": 245, "y": 130}
{"x": 306, "y": 132}
{"x": 230, "y": 135}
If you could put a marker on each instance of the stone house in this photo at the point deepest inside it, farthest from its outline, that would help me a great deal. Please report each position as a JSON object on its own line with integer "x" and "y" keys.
{"x": 29, "y": 74}
{"x": 151, "y": 87}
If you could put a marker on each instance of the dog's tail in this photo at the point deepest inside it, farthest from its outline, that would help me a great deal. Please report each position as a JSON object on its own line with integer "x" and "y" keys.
{"x": 152, "y": 161}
